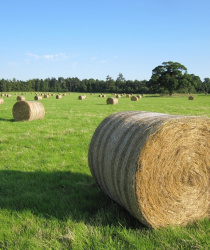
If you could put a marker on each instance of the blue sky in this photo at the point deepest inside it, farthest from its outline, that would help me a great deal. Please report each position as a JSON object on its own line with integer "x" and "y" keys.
{"x": 96, "y": 38}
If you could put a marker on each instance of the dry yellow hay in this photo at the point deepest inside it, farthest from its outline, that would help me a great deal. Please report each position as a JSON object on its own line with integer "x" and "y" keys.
{"x": 99, "y": 95}
{"x": 128, "y": 96}
{"x": 1, "y": 101}
{"x": 58, "y": 96}
{"x": 28, "y": 111}
{"x": 191, "y": 97}
{"x": 21, "y": 98}
{"x": 64, "y": 94}
{"x": 138, "y": 96}
{"x": 134, "y": 98}
{"x": 46, "y": 96}
{"x": 112, "y": 100}
{"x": 118, "y": 96}
{"x": 103, "y": 95}
{"x": 3, "y": 94}
{"x": 37, "y": 98}
{"x": 8, "y": 95}
{"x": 82, "y": 97}
{"x": 154, "y": 165}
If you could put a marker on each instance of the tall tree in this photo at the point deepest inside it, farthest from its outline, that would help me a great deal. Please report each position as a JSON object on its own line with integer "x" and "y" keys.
{"x": 168, "y": 76}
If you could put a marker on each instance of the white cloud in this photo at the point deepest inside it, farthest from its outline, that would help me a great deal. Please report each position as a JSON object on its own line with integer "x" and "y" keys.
{"x": 93, "y": 58}
{"x": 74, "y": 65}
{"x": 104, "y": 61}
{"x": 59, "y": 56}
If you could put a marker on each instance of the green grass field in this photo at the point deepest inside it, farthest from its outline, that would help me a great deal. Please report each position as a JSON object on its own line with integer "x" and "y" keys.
{"x": 48, "y": 198}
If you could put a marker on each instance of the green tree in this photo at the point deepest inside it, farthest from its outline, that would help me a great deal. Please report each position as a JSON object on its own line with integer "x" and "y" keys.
{"x": 168, "y": 76}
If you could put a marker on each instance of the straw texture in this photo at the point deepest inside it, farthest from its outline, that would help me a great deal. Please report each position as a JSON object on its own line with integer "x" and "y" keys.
{"x": 112, "y": 100}
{"x": 28, "y": 111}
{"x": 58, "y": 96}
{"x": 21, "y": 98}
{"x": 134, "y": 98}
{"x": 1, "y": 101}
{"x": 82, "y": 97}
{"x": 37, "y": 98}
{"x": 154, "y": 165}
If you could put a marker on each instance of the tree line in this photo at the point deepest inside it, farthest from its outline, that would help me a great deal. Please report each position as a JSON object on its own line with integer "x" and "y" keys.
{"x": 167, "y": 78}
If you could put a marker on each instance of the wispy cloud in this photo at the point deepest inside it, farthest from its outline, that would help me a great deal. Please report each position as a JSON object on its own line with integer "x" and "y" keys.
{"x": 104, "y": 61}
{"x": 93, "y": 58}
{"x": 74, "y": 65}
{"x": 59, "y": 56}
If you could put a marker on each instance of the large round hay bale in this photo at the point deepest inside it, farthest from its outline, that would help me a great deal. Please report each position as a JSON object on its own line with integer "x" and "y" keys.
{"x": 1, "y": 101}
{"x": 58, "y": 96}
{"x": 28, "y": 111}
{"x": 3, "y": 94}
{"x": 37, "y": 98}
{"x": 82, "y": 97}
{"x": 21, "y": 98}
{"x": 134, "y": 98}
{"x": 191, "y": 97}
{"x": 112, "y": 100}
{"x": 154, "y": 165}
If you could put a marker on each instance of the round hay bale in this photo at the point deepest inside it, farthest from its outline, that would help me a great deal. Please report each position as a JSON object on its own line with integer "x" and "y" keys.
{"x": 37, "y": 98}
{"x": 3, "y": 94}
{"x": 138, "y": 96}
{"x": 82, "y": 97}
{"x": 21, "y": 98}
{"x": 8, "y": 95}
{"x": 112, "y": 100}
{"x": 191, "y": 97}
{"x": 128, "y": 96}
{"x": 58, "y": 96}
{"x": 99, "y": 95}
{"x": 46, "y": 96}
{"x": 118, "y": 96}
{"x": 134, "y": 98}
{"x": 1, "y": 101}
{"x": 64, "y": 94}
{"x": 103, "y": 95}
{"x": 28, "y": 111}
{"x": 154, "y": 165}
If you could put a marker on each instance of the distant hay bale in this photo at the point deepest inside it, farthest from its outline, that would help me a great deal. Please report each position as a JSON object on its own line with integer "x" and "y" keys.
{"x": 154, "y": 165}
{"x": 118, "y": 96}
{"x": 58, "y": 96}
{"x": 134, "y": 98}
{"x": 28, "y": 111}
{"x": 82, "y": 97}
{"x": 52, "y": 94}
{"x": 138, "y": 96}
{"x": 112, "y": 100}
{"x": 128, "y": 96}
{"x": 37, "y": 98}
{"x": 103, "y": 95}
{"x": 99, "y": 95}
{"x": 8, "y": 95}
{"x": 3, "y": 94}
{"x": 64, "y": 94}
{"x": 46, "y": 96}
{"x": 21, "y": 98}
{"x": 1, "y": 101}
{"x": 191, "y": 97}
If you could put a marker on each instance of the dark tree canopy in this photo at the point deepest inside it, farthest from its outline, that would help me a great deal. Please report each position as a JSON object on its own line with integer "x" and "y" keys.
{"x": 169, "y": 76}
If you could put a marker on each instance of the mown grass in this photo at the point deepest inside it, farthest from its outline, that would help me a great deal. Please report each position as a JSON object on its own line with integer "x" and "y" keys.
{"x": 48, "y": 198}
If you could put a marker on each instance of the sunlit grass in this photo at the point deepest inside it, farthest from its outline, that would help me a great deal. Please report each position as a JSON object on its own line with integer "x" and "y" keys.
{"x": 48, "y": 198}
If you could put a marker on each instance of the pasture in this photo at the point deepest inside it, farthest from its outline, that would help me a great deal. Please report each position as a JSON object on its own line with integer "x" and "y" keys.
{"x": 48, "y": 198}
